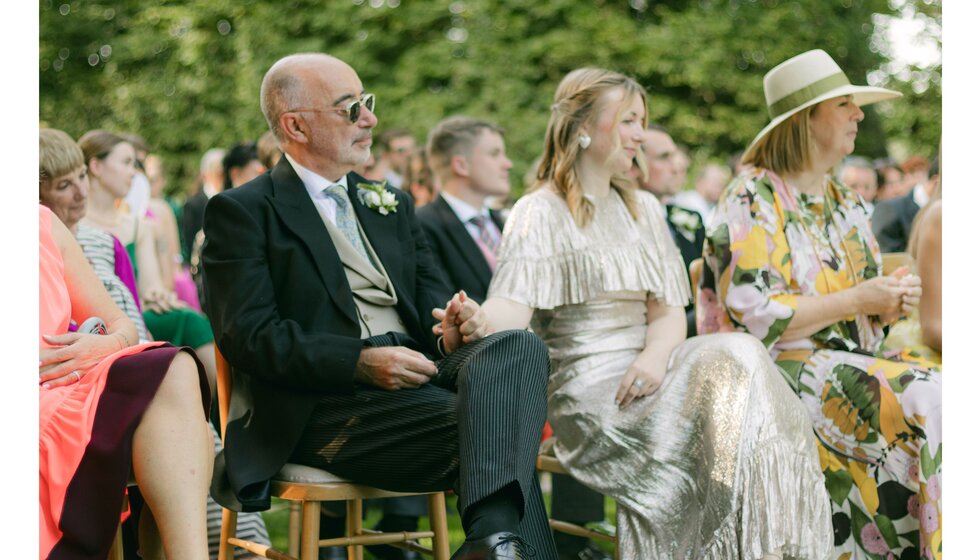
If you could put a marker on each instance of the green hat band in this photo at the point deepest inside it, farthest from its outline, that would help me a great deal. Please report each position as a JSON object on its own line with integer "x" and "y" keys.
{"x": 812, "y": 91}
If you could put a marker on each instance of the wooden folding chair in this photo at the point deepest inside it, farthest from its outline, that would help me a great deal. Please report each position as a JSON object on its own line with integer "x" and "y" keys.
{"x": 305, "y": 487}
{"x": 548, "y": 463}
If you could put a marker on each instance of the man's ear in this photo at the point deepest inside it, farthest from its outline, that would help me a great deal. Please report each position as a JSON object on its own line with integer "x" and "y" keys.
{"x": 294, "y": 128}
{"x": 459, "y": 165}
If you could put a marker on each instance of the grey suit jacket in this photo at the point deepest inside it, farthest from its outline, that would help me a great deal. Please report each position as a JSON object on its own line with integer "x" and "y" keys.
{"x": 892, "y": 223}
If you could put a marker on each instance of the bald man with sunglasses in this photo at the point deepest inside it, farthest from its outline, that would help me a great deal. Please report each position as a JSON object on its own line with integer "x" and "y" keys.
{"x": 348, "y": 351}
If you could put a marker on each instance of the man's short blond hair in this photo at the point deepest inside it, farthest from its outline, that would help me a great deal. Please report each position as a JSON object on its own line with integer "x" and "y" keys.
{"x": 454, "y": 136}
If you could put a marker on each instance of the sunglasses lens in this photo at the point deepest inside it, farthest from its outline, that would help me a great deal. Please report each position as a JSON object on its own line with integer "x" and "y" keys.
{"x": 354, "y": 111}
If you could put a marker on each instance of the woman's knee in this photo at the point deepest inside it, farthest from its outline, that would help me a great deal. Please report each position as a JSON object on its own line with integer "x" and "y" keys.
{"x": 182, "y": 381}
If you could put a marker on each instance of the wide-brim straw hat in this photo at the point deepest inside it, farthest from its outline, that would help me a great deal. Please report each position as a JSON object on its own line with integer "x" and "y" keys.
{"x": 805, "y": 80}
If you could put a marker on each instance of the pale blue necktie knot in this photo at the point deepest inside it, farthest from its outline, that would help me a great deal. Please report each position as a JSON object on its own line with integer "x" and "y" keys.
{"x": 345, "y": 220}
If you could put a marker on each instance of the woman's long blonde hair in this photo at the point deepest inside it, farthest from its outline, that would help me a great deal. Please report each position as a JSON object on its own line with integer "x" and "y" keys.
{"x": 576, "y": 105}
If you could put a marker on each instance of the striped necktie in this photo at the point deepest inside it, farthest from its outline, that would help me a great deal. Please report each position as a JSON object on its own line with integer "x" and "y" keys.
{"x": 487, "y": 241}
{"x": 345, "y": 220}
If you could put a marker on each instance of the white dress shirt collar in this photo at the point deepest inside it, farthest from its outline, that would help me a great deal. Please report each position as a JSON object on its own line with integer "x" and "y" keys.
{"x": 463, "y": 210}
{"x": 314, "y": 183}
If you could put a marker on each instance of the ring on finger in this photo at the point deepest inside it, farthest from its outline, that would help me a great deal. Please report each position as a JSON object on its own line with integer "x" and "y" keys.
{"x": 638, "y": 384}
{"x": 77, "y": 374}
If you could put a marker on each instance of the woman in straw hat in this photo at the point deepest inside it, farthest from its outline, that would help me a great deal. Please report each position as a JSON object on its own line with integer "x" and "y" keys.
{"x": 707, "y": 452}
{"x": 792, "y": 260}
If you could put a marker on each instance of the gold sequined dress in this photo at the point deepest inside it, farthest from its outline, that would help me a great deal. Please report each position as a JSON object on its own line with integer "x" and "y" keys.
{"x": 719, "y": 463}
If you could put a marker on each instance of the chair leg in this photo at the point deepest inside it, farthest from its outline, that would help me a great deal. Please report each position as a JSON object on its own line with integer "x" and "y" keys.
{"x": 310, "y": 545}
{"x": 229, "y": 526}
{"x": 355, "y": 509}
{"x": 295, "y": 520}
{"x": 438, "y": 525}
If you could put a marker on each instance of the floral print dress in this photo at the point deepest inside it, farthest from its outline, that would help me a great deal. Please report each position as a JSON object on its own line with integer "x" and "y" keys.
{"x": 877, "y": 415}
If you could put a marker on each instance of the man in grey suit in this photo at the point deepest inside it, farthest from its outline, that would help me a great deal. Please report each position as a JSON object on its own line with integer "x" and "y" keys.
{"x": 322, "y": 293}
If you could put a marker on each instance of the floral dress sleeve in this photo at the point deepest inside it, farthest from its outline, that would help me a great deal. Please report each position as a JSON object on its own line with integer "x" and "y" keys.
{"x": 748, "y": 265}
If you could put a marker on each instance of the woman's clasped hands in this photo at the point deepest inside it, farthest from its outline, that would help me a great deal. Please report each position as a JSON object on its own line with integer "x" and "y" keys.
{"x": 889, "y": 297}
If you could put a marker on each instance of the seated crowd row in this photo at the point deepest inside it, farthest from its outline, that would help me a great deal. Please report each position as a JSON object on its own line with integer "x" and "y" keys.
{"x": 765, "y": 414}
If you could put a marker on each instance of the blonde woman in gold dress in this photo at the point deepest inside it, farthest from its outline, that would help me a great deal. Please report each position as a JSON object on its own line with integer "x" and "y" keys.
{"x": 706, "y": 451}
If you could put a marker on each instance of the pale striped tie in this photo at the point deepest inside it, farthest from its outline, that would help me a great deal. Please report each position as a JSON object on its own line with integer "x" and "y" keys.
{"x": 487, "y": 242}
{"x": 346, "y": 222}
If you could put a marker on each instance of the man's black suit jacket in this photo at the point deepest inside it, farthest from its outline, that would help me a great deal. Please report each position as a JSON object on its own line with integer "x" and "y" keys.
{"x": 455, "y": 251}
{"x": 891, "y": 222}
{"x": 690, "y": 250}
{"x": 284, "y": 316}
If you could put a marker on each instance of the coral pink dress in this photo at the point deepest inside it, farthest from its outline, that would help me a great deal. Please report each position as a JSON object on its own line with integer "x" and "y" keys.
{"x": 86, "y": 428}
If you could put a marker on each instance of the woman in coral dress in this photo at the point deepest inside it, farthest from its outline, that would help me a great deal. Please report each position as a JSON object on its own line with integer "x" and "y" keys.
{"x": 109, "y": 408}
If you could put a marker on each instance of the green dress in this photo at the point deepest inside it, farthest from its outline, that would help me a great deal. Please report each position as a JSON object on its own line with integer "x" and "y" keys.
{"x": 876, "y": 414}
{"x": 180, "y": 327}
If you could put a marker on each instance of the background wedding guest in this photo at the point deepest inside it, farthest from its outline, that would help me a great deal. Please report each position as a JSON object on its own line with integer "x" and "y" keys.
{"x": 164, "y": 211}
{"x": 421, "y": 183}
{"x": 890, "y": 179}
{"x": 138, "y": 197}
{"x": 915, "y": 173}
{"x": 110, "y": 161}
{"x": 211, "y": 181}
{"x": 858, "y": 174}
{"x": 791, "y": 260}
{"x": 110, "y": 407}
{"x": 394, "y": 147}
{"x": 892, "y": 220}
{"x": 682, "y": 157}
{"x": 661, "y": 179}
{"x": 470, "y": 165}
{"x": 711, "y": 180}
{"x": 638, "y": 412}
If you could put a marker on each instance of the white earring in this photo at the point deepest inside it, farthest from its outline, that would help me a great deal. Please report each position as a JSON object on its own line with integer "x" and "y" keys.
{"x": 584, "y": 140}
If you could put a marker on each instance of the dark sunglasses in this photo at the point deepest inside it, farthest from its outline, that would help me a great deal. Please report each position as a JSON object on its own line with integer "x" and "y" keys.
{"x": 352, "y": 109}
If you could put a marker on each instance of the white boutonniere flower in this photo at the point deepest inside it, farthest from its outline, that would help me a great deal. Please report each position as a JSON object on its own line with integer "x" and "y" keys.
{"x": 376, "y": 197}
{"x": 685, "y": 222}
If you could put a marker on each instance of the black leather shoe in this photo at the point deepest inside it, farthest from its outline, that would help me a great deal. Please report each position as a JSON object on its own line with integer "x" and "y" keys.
{"x": 591, "y": 551}
{"x": 498, "y": 546}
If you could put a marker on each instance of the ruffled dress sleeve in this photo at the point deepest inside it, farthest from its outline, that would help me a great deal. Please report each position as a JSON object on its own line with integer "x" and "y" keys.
{"x": 545, "y": 260}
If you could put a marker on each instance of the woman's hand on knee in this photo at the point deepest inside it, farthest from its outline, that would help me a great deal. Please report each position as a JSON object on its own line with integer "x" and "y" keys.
{"x": 639, "y": 381}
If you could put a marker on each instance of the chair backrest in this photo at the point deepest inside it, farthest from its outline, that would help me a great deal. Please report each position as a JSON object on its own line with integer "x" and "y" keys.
{"x": 891, "y": 261}
{"x": 223, "y": 383}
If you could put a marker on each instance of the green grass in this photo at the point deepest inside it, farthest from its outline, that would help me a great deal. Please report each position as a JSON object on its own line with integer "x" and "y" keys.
{"x": 277, "y": 522}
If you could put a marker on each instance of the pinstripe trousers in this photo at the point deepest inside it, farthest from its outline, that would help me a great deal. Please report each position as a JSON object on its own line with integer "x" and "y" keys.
{"x": 475, "y": 427}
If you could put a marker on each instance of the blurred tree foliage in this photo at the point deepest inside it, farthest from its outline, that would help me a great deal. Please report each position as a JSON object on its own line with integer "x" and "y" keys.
{"x": 186, "y": 74}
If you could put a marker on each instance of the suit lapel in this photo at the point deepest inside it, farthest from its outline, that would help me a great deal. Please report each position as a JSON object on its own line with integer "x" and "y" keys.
{"x": 381, "y": 230}
{"x": 461, "y": 238}
{"x": 382, "y": 233}
{"x": 294, "y": 206}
